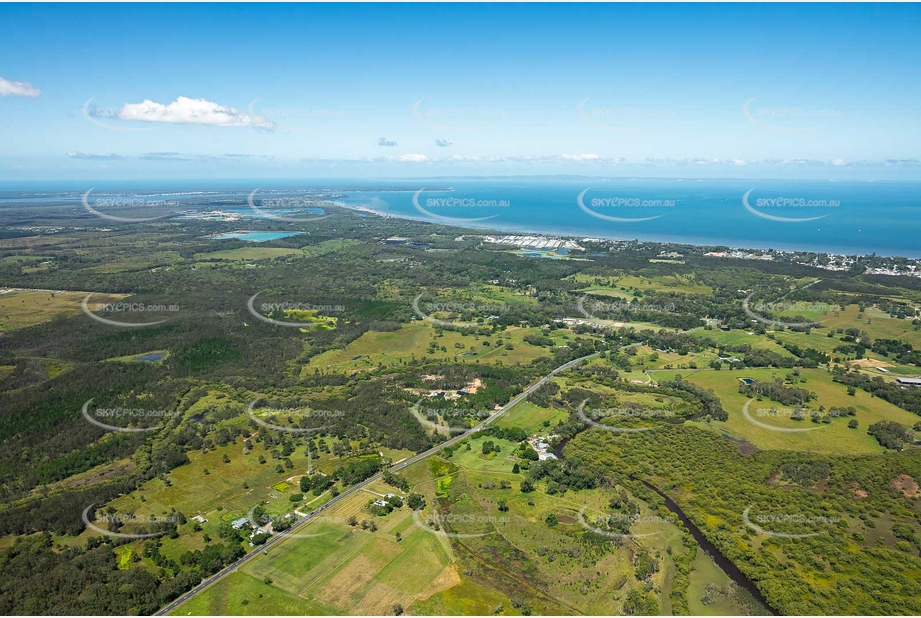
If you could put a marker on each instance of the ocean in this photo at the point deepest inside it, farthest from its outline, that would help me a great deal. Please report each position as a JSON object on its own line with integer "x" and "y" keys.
{"x": 821, "y": 216}
{"x": 854, "y": 217}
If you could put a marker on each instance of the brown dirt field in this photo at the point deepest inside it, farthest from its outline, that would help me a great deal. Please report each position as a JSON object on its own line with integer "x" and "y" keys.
{"x": 342, "y": 590}
{"x": 448, "y": 578}
{"x": 867, "y": 362}
{"x": 907, "y": 485}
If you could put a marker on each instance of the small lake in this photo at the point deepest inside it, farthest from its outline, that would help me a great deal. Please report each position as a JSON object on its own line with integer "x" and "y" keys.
{"x": 151, "y": 358}
{"x": 251, "y": 236}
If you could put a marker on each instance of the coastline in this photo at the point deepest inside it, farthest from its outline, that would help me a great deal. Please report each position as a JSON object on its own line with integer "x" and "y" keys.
{"x": 702, "y": 243}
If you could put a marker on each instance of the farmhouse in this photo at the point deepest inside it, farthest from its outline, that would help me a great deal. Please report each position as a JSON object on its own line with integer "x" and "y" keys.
{"x": 909, "y": 381}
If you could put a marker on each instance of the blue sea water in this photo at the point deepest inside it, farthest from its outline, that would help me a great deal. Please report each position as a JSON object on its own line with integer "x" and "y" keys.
{"x": 856, "y": 217}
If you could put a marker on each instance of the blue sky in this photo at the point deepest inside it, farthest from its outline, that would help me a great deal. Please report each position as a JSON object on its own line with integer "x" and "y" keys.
{"x": 318, "y": 91}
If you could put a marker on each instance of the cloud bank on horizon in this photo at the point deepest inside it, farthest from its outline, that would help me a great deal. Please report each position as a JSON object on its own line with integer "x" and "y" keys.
{"x": 507, "y": 104}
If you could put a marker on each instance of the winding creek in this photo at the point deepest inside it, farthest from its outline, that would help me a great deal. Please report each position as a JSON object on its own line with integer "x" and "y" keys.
{"x": 703, "y": 543}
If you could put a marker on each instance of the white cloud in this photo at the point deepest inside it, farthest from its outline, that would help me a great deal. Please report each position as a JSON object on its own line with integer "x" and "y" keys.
{"x": 94, "y": 157}
{"x": 580, "y": 157}
{"x": 18, "y": 89}
{"x": 839, "y": 162}
{"x": 192, "y": 111}
{"x": 411, "y": 158}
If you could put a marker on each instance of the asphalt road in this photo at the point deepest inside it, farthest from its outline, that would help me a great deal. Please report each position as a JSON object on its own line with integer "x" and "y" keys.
{"x": 274, "y": 540}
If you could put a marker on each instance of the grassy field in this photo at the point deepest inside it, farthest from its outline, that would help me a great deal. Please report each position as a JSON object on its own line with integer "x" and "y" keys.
{"x": 348, "y": 570}
{"x": 24, "y": 308}
{"x": 531, "y": 418}
{"x": 740, "y": 337}
{"x": 389, "y": 349}
{"x": 624, "y": 286}
{"x": 707, "y": 572}
{"x": 834, "y": 438}
{"x": 242, "y": 594}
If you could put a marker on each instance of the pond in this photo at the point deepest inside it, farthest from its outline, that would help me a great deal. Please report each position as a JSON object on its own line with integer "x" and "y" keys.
{"x": 252, "y": 236}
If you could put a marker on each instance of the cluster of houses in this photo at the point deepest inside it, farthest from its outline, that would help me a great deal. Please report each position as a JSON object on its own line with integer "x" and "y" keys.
{"x": 385, "y": 500}
{"x": 542, "y": 447}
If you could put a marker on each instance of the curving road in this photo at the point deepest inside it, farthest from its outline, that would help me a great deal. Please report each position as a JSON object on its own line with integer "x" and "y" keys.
{"x": 355, "y": 488}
